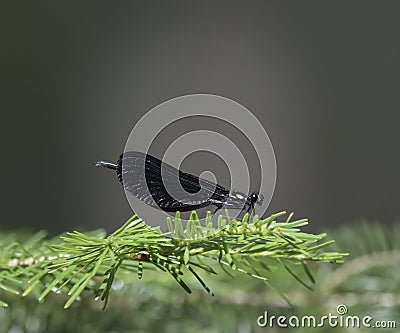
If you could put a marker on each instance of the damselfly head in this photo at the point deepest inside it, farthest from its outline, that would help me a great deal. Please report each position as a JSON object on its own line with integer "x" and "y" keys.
{"x": 256, "y": 198}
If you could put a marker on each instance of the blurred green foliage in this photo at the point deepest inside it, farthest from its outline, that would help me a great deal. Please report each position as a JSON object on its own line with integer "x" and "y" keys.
{"x": 368, "y": 283}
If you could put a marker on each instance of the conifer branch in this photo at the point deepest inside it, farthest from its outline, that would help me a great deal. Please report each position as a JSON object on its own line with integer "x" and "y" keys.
{"x": 78, "y": 262}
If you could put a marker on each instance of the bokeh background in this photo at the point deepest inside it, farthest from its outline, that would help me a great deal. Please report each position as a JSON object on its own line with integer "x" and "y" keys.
{"x": 323, "y": 79}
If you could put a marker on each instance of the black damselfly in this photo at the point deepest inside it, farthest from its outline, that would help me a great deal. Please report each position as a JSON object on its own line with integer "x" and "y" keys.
{"x": 151, "y": 180}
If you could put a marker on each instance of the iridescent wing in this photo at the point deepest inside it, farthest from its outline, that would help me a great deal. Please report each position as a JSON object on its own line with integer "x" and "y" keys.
{"x": 161, "y": 185}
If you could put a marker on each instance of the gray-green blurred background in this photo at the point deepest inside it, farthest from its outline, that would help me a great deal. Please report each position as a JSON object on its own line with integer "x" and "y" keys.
{"x": 322, "y": 77}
